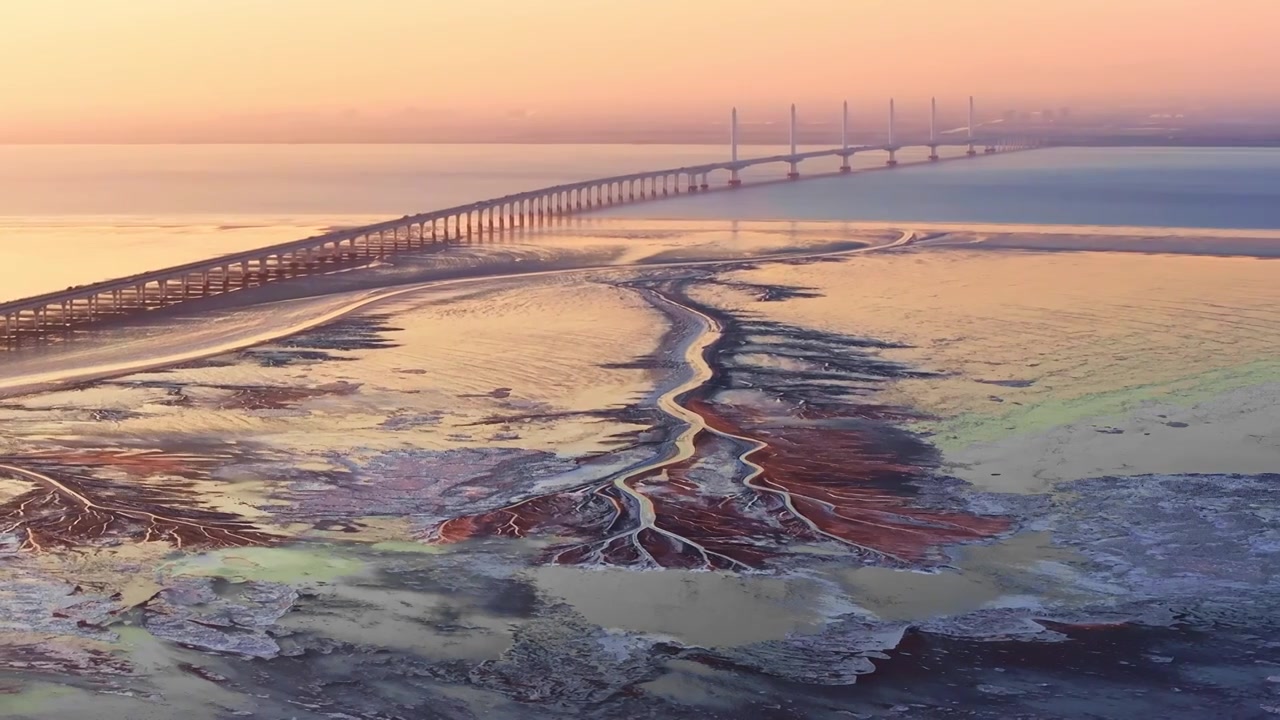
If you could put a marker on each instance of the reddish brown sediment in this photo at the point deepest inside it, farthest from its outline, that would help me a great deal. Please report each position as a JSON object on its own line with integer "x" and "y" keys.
{"x": 139, "y": 462}
{"x": 67, "y": 505}
{"x": 847, "y": 486}
{"x": 53, "y": 659}
{"x": 818, "y": 485}
{"x": 754, "y": 488}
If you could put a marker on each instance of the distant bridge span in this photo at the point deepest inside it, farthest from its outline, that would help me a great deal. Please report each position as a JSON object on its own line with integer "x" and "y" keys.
{"x": 61, "y": 312}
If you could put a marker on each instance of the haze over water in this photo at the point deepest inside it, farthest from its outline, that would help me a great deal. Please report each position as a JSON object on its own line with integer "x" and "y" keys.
{"x": 77, "y": 214}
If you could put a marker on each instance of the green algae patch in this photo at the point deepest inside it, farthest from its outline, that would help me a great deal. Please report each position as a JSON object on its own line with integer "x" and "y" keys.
{"x": 288, "y": 565}
{"x": 396, "y": 546}
{"x": 964, "y": 430}
{"x": 34, "y": 698}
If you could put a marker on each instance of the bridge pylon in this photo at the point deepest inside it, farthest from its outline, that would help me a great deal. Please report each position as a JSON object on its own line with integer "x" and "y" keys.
{"x": 844, "y": 139}
{"x": 893, "y": 149}
{"x": 933, "y": 129}
{"x": 734, "y": 180}
{"x": 794, "y": 167}
{"x": 971, "y": 151}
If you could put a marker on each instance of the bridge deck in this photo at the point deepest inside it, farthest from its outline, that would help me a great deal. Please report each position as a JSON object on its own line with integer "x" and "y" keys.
{"x": 43, "y": 314}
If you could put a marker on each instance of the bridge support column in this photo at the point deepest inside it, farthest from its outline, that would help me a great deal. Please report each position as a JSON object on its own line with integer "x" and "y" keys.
{"x": 704, "y": 185}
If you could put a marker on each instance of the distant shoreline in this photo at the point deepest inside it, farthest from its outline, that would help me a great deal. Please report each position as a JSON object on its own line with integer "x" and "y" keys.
{"x": 1118, "y": 143}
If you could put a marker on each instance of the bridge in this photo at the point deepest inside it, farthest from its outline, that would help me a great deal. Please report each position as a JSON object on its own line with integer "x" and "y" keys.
{"x": 62, "y": 312}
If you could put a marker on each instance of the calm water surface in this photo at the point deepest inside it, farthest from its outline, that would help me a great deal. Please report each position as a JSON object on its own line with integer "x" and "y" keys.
{"x": 77, "y": 214}
{"x": 1161, "y": 187}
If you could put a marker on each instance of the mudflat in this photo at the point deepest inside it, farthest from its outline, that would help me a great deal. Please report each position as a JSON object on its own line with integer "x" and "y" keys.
{"x": 828, "y": 470}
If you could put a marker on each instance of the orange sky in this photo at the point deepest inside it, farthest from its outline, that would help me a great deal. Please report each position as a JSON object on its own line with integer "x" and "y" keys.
{"x": 80, "y": 67}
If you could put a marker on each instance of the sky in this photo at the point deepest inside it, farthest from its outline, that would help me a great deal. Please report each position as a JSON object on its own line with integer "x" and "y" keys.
{"x": 133, "y": 69}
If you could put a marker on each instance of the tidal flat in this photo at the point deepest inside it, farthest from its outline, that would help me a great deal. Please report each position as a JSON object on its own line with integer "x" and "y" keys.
{"x": 822, "y": 472}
